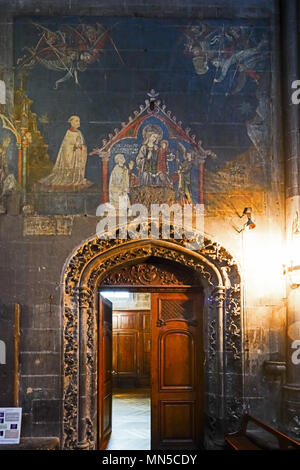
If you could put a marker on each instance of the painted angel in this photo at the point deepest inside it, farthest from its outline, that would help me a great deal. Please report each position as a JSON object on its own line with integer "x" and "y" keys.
{"x": 70, "y": 50}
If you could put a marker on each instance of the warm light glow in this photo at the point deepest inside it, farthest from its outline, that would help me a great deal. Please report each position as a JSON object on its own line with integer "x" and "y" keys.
{"x": 293, "y": 260}
{"x": 264, "y": 256}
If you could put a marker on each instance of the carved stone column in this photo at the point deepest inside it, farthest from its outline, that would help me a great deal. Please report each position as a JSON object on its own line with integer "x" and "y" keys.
{"x": 84, "y": 300}
{"x": 217, "y": 298}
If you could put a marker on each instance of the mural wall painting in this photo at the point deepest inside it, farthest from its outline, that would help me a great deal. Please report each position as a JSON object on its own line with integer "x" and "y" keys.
{"x": 162, "y": 157}
{"x": 69, "y": 50}
{"x": 234, "y": 49}
{"x": 76, "y": 83}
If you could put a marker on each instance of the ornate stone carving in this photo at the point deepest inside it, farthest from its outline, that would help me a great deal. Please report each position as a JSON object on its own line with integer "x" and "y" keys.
{"x": 90, "y": 433}
{"x": 71, "y": 376}
{"x": 93, "y": 262}
{"x": 233, "y": 337}
{"x": 234, "y": 413}
{"x": 217, "y": 297}
{"x": 212, "y": 340}
{"x": 90, "y": 339}
{"x": 212, "y": 416}
{"x": 147, "y": 274}
{"x": 141, "y": 253}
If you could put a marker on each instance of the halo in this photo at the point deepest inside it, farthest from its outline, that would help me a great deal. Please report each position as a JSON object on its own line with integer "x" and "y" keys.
{"x": 152, "y": 128}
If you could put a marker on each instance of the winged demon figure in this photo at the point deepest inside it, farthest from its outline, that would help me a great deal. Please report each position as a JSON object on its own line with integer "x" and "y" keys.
{"x": 70, "y": 50}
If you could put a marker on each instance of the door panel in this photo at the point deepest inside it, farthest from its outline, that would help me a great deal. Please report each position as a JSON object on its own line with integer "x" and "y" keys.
{"x": 104, "y": 372}
{"x": 127, "y": 354}
{"x": 178, "y": 422}
{"x": 132, "y": 348}
{"x": 177, "y": 376}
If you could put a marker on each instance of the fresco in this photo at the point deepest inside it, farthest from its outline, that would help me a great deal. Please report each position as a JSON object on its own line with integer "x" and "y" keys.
{"x": 154, "y": 159}
{"x": 163, "y": 110}
{"x": 69, "y": 50}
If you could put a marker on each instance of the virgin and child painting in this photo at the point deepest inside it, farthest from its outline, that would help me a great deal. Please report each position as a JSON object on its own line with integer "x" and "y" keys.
{"x": 87, "y": 97}
{"x": 157, "y": 163}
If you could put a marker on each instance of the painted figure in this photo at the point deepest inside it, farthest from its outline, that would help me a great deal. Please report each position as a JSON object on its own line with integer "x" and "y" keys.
{"x": 119, "y": 182}
{"x": 69, "y": 168}
{"x": 3, "y": 161}
{"x": 184, "y": 171}
{"x": 246, "y": 62}
{"x": 224, "y": 48}
{"x": 8, "y": 183}
{"x": 70, "y": 50}
{"x": 147, "y": 160}
{"x": 164, "y": 155}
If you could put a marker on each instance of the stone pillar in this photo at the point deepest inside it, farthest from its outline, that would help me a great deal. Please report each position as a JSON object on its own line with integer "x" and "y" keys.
{"x": 289, "y": 14}
{"x": 105, "y": 176}
{"x": 217, "y": 298}
{"x": 84, "y": 297}
{"x": 201, "y": 181}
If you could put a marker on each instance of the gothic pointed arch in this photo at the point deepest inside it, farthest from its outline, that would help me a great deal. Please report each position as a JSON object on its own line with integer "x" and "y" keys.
{"x": 88, "y": 266}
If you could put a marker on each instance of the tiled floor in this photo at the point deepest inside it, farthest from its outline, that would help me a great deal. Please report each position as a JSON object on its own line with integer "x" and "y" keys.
{"x": 131, "y": 429}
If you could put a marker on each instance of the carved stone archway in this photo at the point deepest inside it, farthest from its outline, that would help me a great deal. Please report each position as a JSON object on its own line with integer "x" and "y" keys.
{"x": 88, "y": 266}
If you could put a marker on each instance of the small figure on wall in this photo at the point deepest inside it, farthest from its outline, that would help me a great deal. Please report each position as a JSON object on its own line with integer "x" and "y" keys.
{"x": 119, "y": 182}
{"x": 69, "y": 169}
{"x": 8, "y": 183}
{"x": 147, "y": 158}
{"x": 184, "y": 172}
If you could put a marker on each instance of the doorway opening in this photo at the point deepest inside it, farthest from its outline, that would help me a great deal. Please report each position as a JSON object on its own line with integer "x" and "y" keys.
{"x": 134, "y": 264}
{"x": 151, "y": 380}
{"x": 131, "y": 370}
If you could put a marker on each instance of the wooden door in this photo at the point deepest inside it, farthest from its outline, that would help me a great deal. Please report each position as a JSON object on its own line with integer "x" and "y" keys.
{"x": 177, "y": 376}
{"x": 131, "y": 348}
{"x": 104, "y": 372}
{"x": 126, "y": 350}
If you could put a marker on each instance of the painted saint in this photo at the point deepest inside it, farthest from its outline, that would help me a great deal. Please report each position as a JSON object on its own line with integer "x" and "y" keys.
{"x": 184, "y": 172}
{"x": 8, "y": 183}
{"x": 69, "y": 169}
{"x": 147, "y": 159}
{"x": 165, "y": 155}
{"x": 119, "y": 182}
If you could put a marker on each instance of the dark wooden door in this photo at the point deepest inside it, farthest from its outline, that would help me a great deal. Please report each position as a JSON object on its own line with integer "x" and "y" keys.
{"x": 177, "y": 377}
{"x": 104, "y": 372}
{"x": 131, "y": 348}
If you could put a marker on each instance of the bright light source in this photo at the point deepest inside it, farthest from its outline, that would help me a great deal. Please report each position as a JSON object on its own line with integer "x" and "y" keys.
{"x": 115, "y": 295}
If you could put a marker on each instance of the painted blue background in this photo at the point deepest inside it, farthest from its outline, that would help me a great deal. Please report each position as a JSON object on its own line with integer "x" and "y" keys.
{"x": 153, "y": 53}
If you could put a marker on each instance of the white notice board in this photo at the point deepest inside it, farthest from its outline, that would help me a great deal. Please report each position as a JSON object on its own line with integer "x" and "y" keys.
{"x": 10, "y": 425}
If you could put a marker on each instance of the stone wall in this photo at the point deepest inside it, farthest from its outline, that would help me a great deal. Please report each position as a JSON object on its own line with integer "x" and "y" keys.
{"x": 31, "y": 266}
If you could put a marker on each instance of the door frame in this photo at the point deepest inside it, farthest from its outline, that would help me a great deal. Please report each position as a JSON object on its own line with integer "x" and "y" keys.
{"x": 156, "y": 290}
{"x": 105, "y": 329}
{"x": 85, "y": 270}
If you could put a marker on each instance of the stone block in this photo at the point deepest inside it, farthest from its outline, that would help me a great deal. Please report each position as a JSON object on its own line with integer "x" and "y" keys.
{"x": 39, "y": 363}
{"x": 46, "y": 411}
